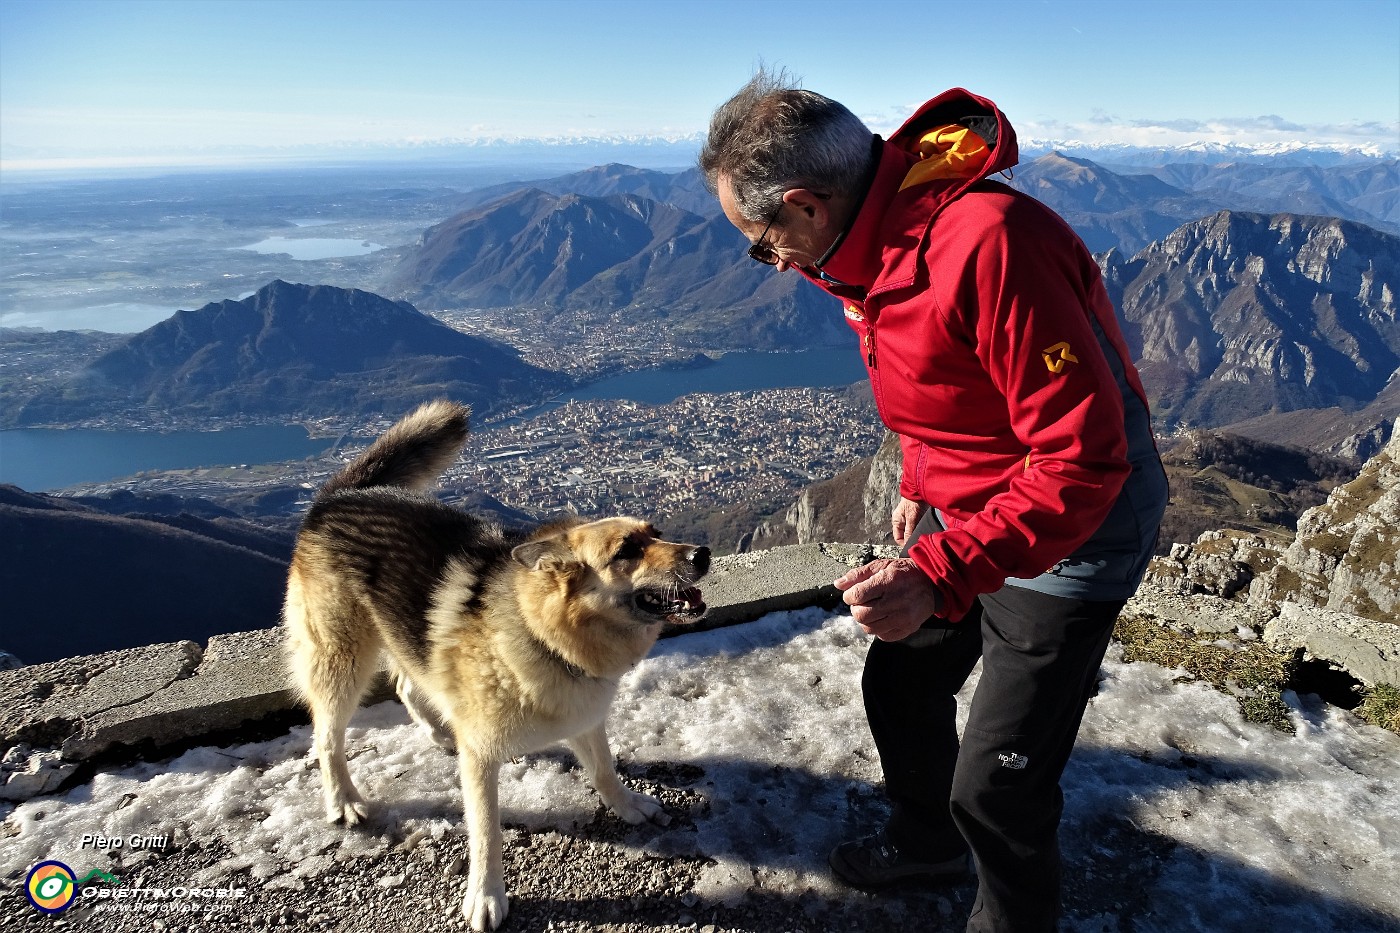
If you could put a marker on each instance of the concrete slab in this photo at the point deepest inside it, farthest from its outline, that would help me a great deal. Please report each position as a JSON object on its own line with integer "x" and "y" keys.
{"x": 46, "y": 703}
{"x": 242, "y": 677}
{"x": 45, "y": 706}
{"x": 743, "y": 587}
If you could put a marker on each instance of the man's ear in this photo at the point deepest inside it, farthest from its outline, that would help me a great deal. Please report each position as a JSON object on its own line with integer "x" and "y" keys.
{"x": 816, "y": 207}
{"x": 550, "y": 554}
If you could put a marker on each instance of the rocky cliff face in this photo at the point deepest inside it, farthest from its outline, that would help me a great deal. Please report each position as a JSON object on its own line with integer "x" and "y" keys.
{"x": 1346, "y": 556}
{"x": 1240, "y": 314}
{"x": 853, "y": 506}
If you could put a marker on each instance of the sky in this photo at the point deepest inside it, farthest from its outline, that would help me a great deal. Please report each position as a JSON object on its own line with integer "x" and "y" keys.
{"x": 110, "y": 82}
{"x": 1235, "y": 828}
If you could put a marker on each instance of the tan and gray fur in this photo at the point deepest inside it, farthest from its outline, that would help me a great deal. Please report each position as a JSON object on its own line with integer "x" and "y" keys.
{"x": 497, "y": 644}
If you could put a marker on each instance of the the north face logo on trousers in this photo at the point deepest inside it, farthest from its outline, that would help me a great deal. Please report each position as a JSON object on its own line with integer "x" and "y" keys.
{"x": 1012, "y": 760}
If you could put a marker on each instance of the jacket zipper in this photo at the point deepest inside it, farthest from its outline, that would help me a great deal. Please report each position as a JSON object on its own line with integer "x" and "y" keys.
{"x": 869, "y": 343}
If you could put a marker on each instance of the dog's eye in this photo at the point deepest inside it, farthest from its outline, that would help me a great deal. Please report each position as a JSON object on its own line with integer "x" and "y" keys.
{"x": 631, "y": 550}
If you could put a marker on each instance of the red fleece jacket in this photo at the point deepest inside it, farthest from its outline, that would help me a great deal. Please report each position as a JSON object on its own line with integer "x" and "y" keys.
{"x": 976, "y": 307}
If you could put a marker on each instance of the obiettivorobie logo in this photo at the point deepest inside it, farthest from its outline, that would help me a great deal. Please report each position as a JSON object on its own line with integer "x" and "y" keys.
{"x": 52, "y": 886}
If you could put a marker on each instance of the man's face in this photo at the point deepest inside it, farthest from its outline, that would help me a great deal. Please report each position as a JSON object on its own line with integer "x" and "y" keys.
{"x": 798, "y": 236}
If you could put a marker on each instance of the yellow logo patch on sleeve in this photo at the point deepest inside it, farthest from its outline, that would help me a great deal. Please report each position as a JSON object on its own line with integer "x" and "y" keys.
{"x": 1057, "y": 356}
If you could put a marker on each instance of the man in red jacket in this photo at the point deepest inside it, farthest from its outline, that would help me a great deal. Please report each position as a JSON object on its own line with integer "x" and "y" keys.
{"x": 1031, "y": 488}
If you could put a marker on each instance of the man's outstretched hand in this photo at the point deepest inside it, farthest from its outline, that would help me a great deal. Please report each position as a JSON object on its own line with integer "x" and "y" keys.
{"x": 889, "y": 598}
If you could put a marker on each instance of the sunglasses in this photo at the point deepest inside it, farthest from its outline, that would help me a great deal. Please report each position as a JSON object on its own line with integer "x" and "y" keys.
{"x": 761, "y": 251}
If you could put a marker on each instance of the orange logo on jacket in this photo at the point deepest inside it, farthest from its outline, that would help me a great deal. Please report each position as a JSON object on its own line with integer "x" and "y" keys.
{"x": 1057, "y": 356}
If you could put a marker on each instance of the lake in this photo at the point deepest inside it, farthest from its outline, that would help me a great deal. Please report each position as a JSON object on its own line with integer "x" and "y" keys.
{"x": 733, "y": 372}
{"x": 309, "y": 248}
{"x": 39, "y": 459}
{"x": 123, "y": 317}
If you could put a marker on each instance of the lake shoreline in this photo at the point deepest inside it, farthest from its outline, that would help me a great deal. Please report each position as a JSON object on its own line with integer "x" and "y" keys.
{"x": 43, "y": 458}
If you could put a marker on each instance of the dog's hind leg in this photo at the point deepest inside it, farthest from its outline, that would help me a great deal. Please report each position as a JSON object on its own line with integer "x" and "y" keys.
{"x": 345, "y": 680}
{"x": 333, "y": 660}
{"x": 485, "y": 904}
{"x": 420, "y": 709}
{"x": 633, "y": 807}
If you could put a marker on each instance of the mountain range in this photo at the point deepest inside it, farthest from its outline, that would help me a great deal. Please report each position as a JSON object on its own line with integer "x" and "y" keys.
{"x": 1233, "y": 314}
{"x": 685, "y": 190}
{"x": 592, "y": 256}
{"x": 1126, "y": 205}
{"x": 1128, "y": 208}
{"x": 292, "y": 351}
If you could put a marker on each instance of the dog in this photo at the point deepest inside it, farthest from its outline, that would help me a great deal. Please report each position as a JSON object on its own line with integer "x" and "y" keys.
{"x": 497, "y": 644}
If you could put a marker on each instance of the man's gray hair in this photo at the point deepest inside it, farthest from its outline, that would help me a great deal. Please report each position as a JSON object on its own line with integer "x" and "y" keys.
{"x": 773, "y": 136}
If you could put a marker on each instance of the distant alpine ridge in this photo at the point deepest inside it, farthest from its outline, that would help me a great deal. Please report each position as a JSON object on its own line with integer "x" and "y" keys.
{"x": 1292, "y": 152}
{"x": 685, "y": 190}
{"x": 1129, "y": 207}
{"x": 293, "y": 351}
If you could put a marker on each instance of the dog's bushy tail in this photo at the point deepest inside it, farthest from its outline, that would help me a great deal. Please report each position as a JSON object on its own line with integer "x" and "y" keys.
{"x": 411, "y": 454}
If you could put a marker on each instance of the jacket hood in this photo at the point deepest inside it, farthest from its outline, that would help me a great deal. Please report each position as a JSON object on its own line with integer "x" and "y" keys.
{"x": 949, "y": 145}
{"x": 957, "y": 135}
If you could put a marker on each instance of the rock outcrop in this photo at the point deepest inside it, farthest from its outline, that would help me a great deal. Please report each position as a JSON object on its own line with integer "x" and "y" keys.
{"x": 1346, "y": 556}
{"x": 1333, "y": 592}
{"x": 1347, "y": 553}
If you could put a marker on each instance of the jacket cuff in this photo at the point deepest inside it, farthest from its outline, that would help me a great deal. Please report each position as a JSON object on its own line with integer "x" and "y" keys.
{"x": 954, "y": 601}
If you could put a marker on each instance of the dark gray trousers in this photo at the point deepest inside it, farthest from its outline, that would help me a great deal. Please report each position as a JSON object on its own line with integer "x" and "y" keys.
{"x": 998, "y": 791}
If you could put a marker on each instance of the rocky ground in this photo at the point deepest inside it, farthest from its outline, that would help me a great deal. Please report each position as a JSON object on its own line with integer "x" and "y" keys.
{"x": 580, "y": 881}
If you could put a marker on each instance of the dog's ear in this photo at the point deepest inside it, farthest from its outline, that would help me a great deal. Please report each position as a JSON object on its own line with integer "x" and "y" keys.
{"x": 552, "y": 554}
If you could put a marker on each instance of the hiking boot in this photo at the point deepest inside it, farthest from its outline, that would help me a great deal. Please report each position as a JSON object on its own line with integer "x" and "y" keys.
{"x": 875, "y": 862}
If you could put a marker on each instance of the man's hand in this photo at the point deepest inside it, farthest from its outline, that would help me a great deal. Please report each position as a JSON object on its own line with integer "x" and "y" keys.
{"x": 904, "y": 517}
{"x": 889, "y": 599}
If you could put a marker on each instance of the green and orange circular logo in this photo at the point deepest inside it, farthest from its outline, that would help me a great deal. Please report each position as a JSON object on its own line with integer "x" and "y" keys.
{"x": 51, "y": 887}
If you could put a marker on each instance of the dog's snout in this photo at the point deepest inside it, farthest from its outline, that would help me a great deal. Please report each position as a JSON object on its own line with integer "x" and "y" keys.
{"x": 700, "y": 557}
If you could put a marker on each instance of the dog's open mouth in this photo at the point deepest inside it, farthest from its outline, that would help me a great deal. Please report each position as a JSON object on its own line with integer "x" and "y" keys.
{"x": 671, "y": 603}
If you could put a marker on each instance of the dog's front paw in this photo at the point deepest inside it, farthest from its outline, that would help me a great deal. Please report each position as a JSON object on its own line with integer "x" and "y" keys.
{"x": 486, "y": 906}
{"x": 349, "y": 809}
{"x": 634, "y": 808}
{"x": 443, "y": 739}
